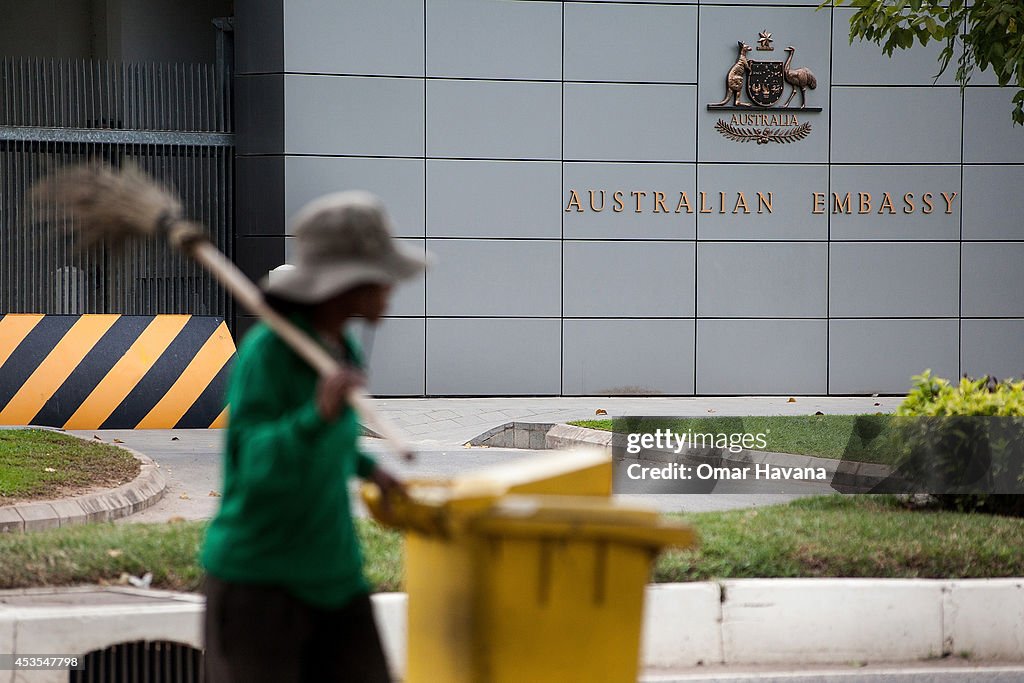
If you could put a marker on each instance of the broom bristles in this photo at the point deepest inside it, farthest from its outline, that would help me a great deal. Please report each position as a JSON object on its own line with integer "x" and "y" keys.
{"x": 109, "y": 205}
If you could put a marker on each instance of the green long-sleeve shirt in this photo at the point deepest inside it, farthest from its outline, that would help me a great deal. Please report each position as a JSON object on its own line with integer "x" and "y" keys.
{"x": 284, "y": 517}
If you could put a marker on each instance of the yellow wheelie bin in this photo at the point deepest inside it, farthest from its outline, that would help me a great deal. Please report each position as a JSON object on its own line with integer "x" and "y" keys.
{"x": 526, "y": 572}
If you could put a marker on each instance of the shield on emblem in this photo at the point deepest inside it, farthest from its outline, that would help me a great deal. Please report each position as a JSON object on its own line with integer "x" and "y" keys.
{"x": 765, "y": 82}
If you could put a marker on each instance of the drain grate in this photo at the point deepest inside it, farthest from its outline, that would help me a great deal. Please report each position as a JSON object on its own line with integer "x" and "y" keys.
{"x": 158, "y": 661}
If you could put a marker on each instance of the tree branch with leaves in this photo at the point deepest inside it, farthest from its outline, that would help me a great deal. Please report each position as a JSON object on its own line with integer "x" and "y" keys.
{"x": 985, "y": 34}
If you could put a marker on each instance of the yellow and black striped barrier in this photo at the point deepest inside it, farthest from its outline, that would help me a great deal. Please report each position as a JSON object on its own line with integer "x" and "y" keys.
{"x": 114, "y": 371}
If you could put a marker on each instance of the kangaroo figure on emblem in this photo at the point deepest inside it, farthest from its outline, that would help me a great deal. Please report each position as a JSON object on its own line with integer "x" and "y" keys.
{"x": 734, "y": 81}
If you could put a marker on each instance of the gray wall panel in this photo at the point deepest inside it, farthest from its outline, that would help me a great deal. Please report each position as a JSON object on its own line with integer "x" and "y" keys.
{"x": 259, "y": 114}
{"x": 494, "y": 39}
{"x": 354, "y": 115}
{"x": 497, "y": 357}
{"x": 494, "y": 119}
{"x": 493, "y": 198}
{"x": 805, "y": 29}
{"x": 993, "y": 279}
{"x": 410, "y": 295}
{"x": 396, "y": 356}
{"x": 879, "y": 125}
{"x": 379, "y": 38}
{"x": 634, "y": 279}
{"x": 609, "y": 357}
{"x": 670, "y": 179}
{"x": 986, "y": 77}
{"x": 989, "y": 133}
{"x": 617, "y": 2}
{"x": 758, "y": 2}
{"x": 495, "y": 278}
{"x": 257, "y": 256}
{"x": 789, "y": 188}
{"x": 990, "y": 206}
{"x": 643, "y": 43}
{"x": 260, "y": 196}
{"x": 880, "y": 356}
{"x": 620, "y": 122}
{"x": 398, "y": 182}
{"x": 259, "y": 40}
{"x": 992, "y": 347}
{"x": 864, "y": 63}
{"x": 761, "y": 356}
{"x": 880, "y": 223}
{"x": 888, "y": 279}
{"x": 765, "y": 279}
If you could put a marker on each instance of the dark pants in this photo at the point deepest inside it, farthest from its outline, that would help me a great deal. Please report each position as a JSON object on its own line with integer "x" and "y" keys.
{"x": 257, "y": 633}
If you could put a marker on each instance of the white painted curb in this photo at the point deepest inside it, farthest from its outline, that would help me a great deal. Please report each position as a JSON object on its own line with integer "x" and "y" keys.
{"x": 807, "y": 621}
{"x": 752, "y": 621}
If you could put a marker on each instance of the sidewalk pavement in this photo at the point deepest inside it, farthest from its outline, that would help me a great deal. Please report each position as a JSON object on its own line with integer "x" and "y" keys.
{"x": 454, "y": 421}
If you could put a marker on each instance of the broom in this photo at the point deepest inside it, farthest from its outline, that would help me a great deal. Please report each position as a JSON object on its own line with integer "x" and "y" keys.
{"x": 113, "y": 206}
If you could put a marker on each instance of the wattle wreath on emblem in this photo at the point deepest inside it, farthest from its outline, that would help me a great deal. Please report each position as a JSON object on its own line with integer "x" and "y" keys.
{"x": 762, "y": 135}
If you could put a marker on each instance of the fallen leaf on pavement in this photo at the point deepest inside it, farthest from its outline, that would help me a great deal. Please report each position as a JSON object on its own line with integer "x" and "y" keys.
{"x": 214, "y": 494}
{"x": 600, "y": 411}
{"x": 184, "y": 496}
{"x": 174, "y": 438}
{"x": 118, "y": 441}
{"x": 791, "y": 400}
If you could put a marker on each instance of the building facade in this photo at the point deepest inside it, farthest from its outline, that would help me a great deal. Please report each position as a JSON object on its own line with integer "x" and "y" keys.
{"x": 599, "y": 231}
{"x": 610, "y": 210}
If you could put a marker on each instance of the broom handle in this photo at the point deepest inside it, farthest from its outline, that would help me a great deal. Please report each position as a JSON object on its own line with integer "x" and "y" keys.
{"x": 252, "y": 299}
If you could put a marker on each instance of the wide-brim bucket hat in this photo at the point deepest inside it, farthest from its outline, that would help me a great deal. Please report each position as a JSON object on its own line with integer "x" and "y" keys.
{"x": 342, "y": 240}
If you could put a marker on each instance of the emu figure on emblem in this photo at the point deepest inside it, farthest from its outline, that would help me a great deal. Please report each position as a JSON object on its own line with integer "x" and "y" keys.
{"x": 734, "y": 81}
{"x": 798, "y": 78}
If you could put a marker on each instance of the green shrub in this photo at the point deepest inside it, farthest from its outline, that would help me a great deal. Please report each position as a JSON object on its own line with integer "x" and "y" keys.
{"x": 934, "y": 396}
{"x": 981, "y": 453}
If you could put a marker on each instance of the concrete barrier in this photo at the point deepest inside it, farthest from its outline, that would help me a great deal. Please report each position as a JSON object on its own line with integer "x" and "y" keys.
{"x": 751, "y": 621}
{"x": 113, "y": 371}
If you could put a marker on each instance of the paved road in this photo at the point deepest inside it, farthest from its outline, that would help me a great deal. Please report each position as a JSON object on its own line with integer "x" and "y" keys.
{"x": 191, "y": 461}
{"x": 440, "y": 427}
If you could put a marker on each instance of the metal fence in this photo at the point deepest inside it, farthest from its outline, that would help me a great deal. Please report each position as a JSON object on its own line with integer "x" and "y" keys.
{"x": 171, "y": 120}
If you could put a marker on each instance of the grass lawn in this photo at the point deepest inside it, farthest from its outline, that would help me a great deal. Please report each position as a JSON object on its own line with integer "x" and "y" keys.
{"x": 861, "y": 536}
{"x": 865, "y": 438}
{"x": 40, "y": 464}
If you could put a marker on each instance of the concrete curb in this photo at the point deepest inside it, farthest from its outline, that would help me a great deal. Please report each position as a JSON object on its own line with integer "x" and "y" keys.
{"x": 807, "y": 621}
{"x": 105, "y": 506}
{"x": 686, "y": 625}
{"x": 530, "y": 435}
{"x": 849, "y": 475}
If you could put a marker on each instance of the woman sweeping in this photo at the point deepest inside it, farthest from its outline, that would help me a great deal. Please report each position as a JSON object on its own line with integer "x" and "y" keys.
{"x": 286, "y": 595}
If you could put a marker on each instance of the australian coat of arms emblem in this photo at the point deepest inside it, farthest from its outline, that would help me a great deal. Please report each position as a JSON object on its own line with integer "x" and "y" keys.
{"x": 764, "y": 83}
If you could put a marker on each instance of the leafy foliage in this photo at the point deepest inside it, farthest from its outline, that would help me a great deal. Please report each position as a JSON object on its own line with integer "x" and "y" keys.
{"x": 983, "y": 34}
{"x": 978, "y": 436}
{"x": 934, "y": 396}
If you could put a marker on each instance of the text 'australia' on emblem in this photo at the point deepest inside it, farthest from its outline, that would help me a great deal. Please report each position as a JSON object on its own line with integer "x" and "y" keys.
{"x": 764, "y": 82}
